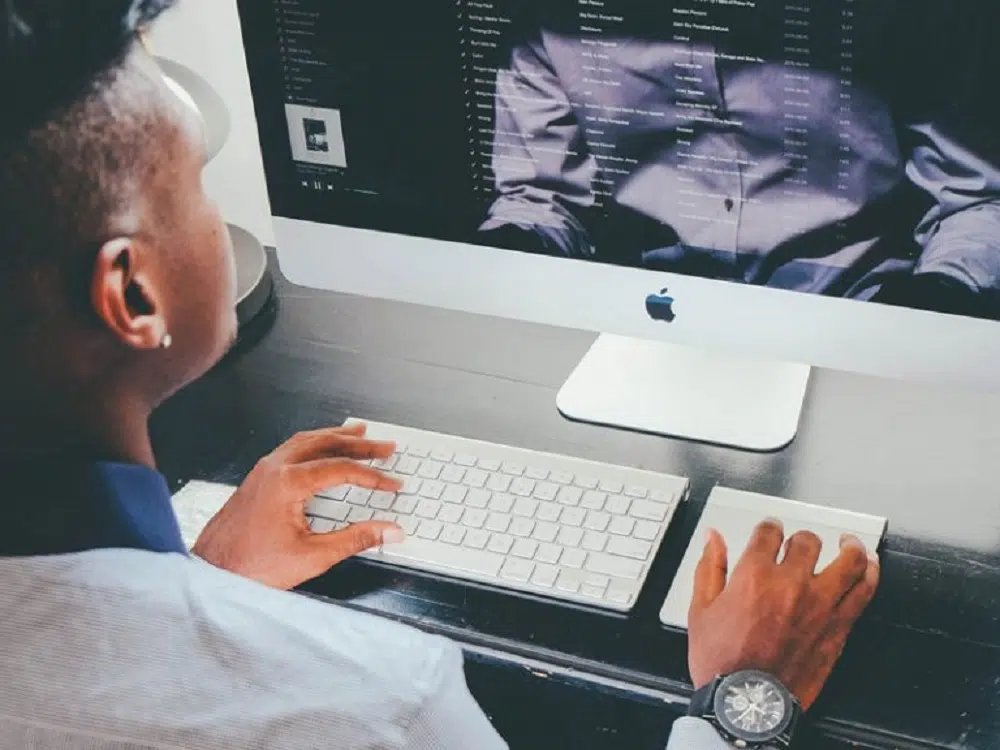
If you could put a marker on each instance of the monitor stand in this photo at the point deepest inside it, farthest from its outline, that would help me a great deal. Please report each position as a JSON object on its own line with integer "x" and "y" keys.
{"x": 675, "y": 391}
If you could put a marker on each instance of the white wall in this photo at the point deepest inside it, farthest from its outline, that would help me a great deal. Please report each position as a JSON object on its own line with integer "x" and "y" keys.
{"x": 205, "y": 36}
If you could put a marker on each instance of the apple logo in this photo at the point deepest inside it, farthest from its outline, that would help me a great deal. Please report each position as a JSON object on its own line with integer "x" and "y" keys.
{"x": 661, "y": 307}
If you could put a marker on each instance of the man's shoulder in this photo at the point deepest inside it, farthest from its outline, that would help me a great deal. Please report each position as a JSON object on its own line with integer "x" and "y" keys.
{"x": 234, "y": 653}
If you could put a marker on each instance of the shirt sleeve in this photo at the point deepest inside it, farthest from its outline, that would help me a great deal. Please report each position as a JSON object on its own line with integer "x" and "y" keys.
{"x": 450, "y": 718}
{"x": 544, "y": 169}
{"x": 695, "y": 734}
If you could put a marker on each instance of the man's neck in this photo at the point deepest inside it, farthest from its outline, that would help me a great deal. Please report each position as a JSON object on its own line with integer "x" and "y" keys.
{"x": 112, "y": 430}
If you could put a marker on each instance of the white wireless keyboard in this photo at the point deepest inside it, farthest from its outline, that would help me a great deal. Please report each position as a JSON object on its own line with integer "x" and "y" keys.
{"x": 531, "y": 522}
{"x": 735, "y": 515}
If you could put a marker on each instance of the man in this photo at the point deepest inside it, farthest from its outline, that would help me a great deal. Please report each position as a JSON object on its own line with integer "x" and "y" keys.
{"x": 117, "y": 290}
{"x": 837, "y": 148}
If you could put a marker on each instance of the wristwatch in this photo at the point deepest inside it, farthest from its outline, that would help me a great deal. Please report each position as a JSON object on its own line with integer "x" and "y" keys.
{"x": 749, "y": 709}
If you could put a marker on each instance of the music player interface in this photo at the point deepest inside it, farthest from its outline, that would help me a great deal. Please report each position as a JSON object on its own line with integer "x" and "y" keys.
{"x": 837, "y": 147}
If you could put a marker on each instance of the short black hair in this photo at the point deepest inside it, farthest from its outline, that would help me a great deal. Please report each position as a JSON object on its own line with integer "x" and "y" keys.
{"x": 77, "y": 132}
{"x": 52, "y": 52}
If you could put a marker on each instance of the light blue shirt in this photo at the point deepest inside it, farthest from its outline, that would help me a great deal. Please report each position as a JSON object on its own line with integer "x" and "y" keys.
{"x": 120, "y": 647}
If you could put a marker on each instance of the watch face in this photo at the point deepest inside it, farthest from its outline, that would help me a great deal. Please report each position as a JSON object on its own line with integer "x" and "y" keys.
{"x": 753, "y": 706}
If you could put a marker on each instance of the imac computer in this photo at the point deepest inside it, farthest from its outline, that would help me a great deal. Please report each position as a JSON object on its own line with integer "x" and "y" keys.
{"x": 728, "y": 192}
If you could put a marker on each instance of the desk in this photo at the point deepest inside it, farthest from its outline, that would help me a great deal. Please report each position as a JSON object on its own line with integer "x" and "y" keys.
{"x": 923, "y": 669}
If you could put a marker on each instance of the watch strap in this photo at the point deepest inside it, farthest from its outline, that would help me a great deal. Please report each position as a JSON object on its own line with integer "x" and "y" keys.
{"x": 702, "y": 704}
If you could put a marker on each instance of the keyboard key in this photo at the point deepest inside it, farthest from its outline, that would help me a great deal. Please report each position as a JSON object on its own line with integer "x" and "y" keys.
{"x": 452, "y": 474}
{"x": 500, "y": 543}
{"x": 432, "y": 489}
{"x": 597, "y": 521}
{"x": 428, "y": 508}
{"x": 477, "y": 498}
{"x": 611, "y": 486}
{"x": 522, "y": 487}
{"x": 444, "y": 456}
{"x": 545, "y": 576}
{"x": 454, "y": 494}
{"x": 418, "y": 451}
{"x": 594, "y": 541}
{"x": 618, "y": 505}
{"x": 586, "y": 482}
{"x": 611, "y": 565}
{"x": 621, "y": 526}
{"x": 382, "y": 500}
{"x": 514, "y": 469}
{"x": 488, "y": 464}
{"x": 620, "y": 594}
{"x": 572, "y": 517}
{"x": 570, "y": 537}
{"x": 386, "y": 464}
{"x": 322, "y": 525}
{"x": 595, "y": 592}
{"x": 335, "y": 493}
{"x": 524, "y": 548}
{"x": 429, "y": 530}
{"x": 407, "y": 465}
{"x": 517, "y": 570}
{"x": 430, "y": 469}
{"x": 327, "y": 508}
{"x": 475, "y": 478}
{"x": 521, "y": 527}
{"x": 498, "y": 483}
{"x": 359, "y": 496}
{"x": 560, "y": 477}
{"x": 498, "y": 522}
{"x": 569, "y": 581}
{"x": 502, "y": 503}
{"x": 636, "y": 491}
{"x": 465, "y": 460}
{"x": 452, "y": 534}
{"x": 546, "y": 491}
{"x": 525, "y": 507}
{"x": 476, "y": 539}
{"x": 572, "y": 558}
{"x": 463, "y": 559}
{"x": 545, "y": 532}
{"x": 450, "y": 514}
{"x": 646, "y": 530}
{"x": 549, "y": 512}
{"x": 408, "y": 524}
{"x": 411, "y": 486}
{"x": 593, "y": 500}
{"x": 648, "y": 510}
{"x": 629, "y": 548}
{"x": 384, "y": 515}
{"x": 360, "y": 515}
{"x": 548, "y": 553}
{"x": 569, "y": 495}
{"x": 405, "y": 504}
{"x": 536, "y": 472}
{"x": 474, "y": 518}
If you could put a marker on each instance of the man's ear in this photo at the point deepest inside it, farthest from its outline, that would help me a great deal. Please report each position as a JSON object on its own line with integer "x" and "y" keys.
{"x": 124, "y": 297}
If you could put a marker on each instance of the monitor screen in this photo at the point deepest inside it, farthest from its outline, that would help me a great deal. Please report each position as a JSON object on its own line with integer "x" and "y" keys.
{"x": 846, "y": 148}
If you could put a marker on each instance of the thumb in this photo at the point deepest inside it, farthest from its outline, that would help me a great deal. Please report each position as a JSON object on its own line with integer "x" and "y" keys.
{"x": 710, "y": 575}
{"x": 359, "y": 537}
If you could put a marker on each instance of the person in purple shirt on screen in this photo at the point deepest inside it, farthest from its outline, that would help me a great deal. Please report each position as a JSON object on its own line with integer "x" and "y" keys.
{"x": 117, "y": 291}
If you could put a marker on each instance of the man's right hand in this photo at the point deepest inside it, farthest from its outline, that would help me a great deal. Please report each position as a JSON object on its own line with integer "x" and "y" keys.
{"x": 779, "y": 618}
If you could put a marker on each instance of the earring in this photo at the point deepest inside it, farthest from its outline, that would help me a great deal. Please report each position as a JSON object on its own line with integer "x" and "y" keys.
{"x": 166, "y": 341}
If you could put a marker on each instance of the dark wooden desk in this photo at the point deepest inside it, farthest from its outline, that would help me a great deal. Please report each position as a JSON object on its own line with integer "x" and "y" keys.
{"x": 923, "y": 670}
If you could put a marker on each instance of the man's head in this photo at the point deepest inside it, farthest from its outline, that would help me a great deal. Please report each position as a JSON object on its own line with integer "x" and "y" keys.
{"x": 109, "y": 247}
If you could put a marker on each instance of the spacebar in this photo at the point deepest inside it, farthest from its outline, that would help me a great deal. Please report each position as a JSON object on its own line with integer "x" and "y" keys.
{"x": 432, "y": 556}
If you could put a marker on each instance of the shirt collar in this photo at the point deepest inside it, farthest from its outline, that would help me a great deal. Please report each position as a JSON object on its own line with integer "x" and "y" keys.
{"x": 60, "y": 509}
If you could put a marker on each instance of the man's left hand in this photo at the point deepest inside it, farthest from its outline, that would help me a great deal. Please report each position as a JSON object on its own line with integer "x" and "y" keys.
{"x": 262, "y": 531}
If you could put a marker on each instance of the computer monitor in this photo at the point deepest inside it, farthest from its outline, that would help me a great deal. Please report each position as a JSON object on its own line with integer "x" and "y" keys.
{"x": 731, "y": 191}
